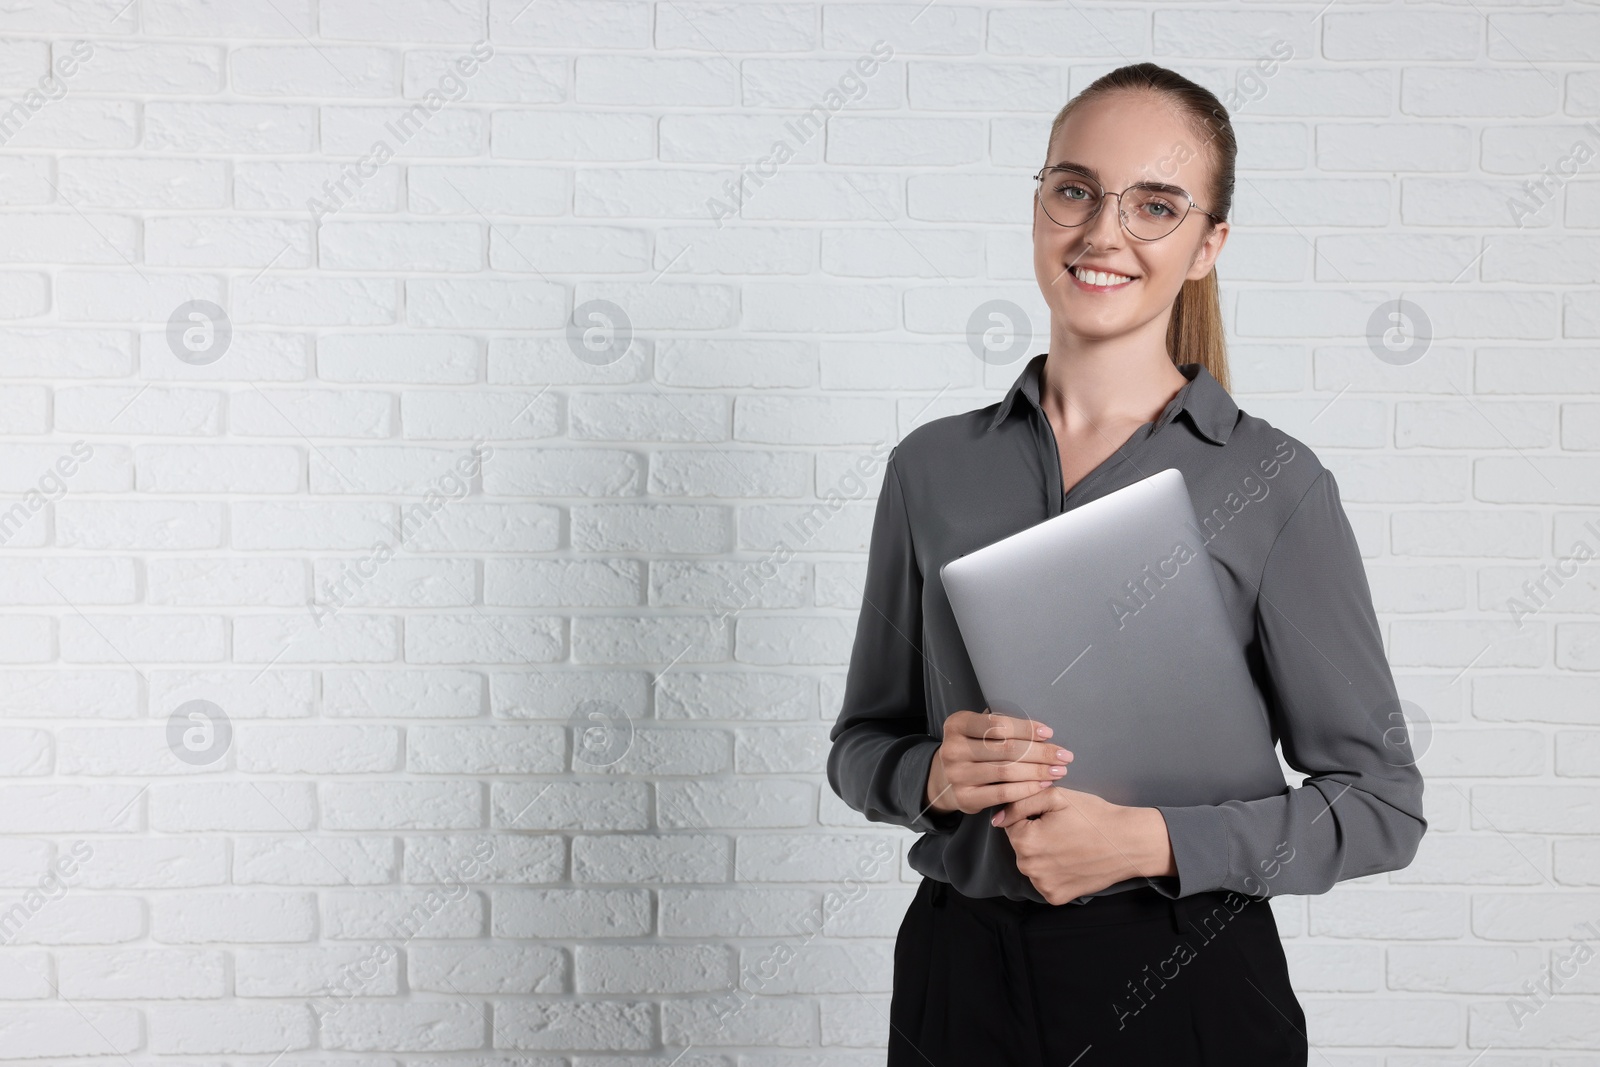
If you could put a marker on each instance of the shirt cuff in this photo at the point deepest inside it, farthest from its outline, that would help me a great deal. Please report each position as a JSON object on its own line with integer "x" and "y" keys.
{"x": 1199, "y": 836}
{"x": 914, "y": 792}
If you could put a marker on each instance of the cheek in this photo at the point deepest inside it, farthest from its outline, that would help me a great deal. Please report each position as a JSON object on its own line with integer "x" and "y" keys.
{"x": 1166, "y": 271}
{"x": 1043, "y": 257}
{"x": 1049, "y": 252}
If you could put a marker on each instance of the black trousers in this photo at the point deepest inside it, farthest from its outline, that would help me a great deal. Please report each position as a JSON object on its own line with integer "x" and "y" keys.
{"x": 1123, "y": 980}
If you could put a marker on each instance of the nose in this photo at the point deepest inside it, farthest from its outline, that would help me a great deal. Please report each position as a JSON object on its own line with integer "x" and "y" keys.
{"x": 1105, "y": 229}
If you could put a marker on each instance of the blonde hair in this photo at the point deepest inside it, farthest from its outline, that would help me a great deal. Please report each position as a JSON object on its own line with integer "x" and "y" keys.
{"x": 1195, "y": 333}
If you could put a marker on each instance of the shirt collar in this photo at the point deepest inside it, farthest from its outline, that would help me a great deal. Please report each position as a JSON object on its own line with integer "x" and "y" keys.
{"x": 1211, "y": 410}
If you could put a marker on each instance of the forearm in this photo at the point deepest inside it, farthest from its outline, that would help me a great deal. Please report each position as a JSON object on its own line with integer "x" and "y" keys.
{"x": 884, "y": 776}
{"x": 1303, "y": 841}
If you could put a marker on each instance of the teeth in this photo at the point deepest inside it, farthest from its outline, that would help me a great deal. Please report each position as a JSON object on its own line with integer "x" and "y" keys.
{"x": 1100, "y": 277}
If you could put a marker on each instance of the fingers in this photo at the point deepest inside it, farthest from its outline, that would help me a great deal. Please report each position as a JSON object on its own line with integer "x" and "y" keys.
{"x": 1037, "y": 803}
{"x": 999, "y": 727}
{"x": 964, "y": 772}
{"x": 992, "y": 738}
{"x": 988, "y": 760}
{"x": 974, "y": 799}
{"x": 1037, "y": 756}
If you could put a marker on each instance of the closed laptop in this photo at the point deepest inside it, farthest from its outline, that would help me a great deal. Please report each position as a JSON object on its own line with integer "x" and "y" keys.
{"x": 1107, "y": 624}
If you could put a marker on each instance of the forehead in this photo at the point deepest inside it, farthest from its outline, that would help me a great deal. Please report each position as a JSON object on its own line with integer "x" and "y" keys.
{"x": 1131, "y": 137}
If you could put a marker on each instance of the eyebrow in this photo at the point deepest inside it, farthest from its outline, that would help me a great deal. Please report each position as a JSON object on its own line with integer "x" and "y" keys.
{"x": 1090, "y": 172}
{"x": 1080, "y": 168}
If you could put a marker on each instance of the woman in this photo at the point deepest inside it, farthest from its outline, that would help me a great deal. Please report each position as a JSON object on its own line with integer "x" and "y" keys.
{"x": 1021, "y": 947}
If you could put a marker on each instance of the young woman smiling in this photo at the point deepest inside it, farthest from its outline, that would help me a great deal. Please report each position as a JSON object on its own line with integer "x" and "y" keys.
{"x": 1052, "y": 926}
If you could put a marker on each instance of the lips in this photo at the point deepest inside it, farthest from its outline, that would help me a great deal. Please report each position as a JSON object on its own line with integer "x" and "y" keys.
{"x": 1091, "y": 278}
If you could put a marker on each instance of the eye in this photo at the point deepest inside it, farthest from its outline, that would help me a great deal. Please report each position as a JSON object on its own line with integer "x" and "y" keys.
{"x": 1157, "y": 205}
{"x": 1072, "y": 191}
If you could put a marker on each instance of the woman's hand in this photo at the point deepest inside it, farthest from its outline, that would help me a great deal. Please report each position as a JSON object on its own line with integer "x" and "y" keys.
{"x": 987, "y": 760}
{"x": 1070, "y": 843}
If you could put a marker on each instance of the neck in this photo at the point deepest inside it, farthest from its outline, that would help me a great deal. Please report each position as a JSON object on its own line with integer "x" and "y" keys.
{"x": 1085, "y": 390}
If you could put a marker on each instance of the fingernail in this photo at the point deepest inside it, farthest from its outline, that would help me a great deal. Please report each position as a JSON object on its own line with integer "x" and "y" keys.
{"x": 1058, "y": 771}
{"x": 1063, "y": 755}
{"x": 1045, "y": 731}
{"x": 996, "y": 820}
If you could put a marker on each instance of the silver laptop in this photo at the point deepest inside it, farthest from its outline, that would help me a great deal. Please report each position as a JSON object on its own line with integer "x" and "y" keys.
{"x": 1107, "y": 624}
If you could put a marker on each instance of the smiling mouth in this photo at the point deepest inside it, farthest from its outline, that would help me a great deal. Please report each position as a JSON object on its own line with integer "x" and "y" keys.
{"x": 1098, "y": 279}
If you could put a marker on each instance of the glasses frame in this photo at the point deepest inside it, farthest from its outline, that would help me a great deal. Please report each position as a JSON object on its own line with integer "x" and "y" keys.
{"x": 1122, "y": 216}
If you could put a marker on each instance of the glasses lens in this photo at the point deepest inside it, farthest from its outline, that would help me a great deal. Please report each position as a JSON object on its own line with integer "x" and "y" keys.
{"x": 1069, "y": 199}
{"x": 1153, "y": 213}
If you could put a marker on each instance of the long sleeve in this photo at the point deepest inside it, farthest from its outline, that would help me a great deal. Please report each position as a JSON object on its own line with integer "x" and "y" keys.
{"x": 882, "y": 750}
{"x": 1333, "y": 696}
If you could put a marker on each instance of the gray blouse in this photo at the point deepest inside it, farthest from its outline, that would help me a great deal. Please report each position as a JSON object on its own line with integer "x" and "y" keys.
{"x": 1296, "y": 592}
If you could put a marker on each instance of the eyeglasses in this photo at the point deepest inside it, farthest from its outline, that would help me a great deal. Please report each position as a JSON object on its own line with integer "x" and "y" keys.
{"x": 1148, "y": 210}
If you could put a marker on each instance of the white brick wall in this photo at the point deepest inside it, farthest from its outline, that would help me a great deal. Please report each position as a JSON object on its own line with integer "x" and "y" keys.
{"x": 523, "y": 751}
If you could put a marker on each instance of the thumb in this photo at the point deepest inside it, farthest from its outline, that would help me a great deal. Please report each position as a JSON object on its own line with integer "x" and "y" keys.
{"x": 1045, "y": 800}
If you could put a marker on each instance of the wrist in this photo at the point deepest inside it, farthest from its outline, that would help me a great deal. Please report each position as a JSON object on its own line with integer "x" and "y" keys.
{"x": 938, "y": 793}
{"x": 1152, "y": 844}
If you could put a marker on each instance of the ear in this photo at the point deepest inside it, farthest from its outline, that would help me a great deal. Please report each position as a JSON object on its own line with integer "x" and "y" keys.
{"x": 1206, "y": 255}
